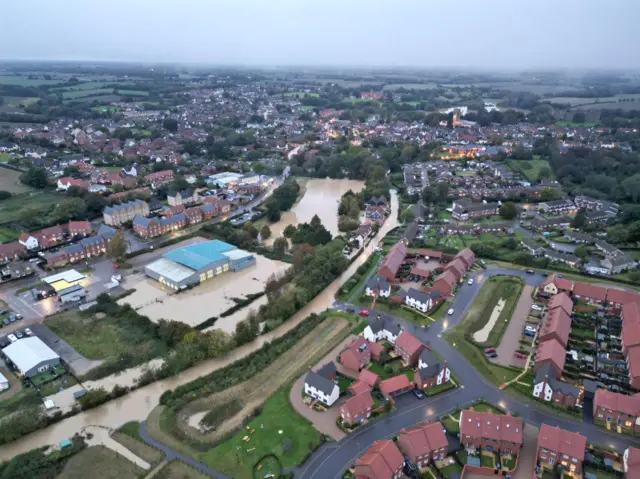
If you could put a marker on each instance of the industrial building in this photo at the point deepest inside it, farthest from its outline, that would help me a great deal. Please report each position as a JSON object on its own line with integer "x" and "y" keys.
{"x": 198, "y": 262}
{"x": 30, "y": 356}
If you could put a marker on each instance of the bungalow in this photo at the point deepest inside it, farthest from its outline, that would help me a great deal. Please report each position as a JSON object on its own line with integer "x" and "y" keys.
{"x": 560, "y": 447}
{"x": 431, "y": 372}
{"x": 375, "y": 213}
{"x": 607, "y": 249}
{"x": 617, "y": 409}
{"x": 420, "y": 300}
{"x": 408, "y": 347}
{"x": 381, "y": 327}
{"x": 533, "y": 248}
{"x": 321, "y": 388}
{"x": 357, "y": 408}
{"x": 557, "y": 257}
{"x": 378, "y": 286}
{"x": 383, "y": 460}
{"x": 395, "y": 386}
{"x": 499, "y": 433}
{"x": 423, "y": 443}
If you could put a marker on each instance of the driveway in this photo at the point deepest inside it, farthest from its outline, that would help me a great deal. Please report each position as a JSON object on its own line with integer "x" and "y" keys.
{"x": 509, "y": 343}
{"x": 325, "y": 422}
{"x": 527, "y": 457}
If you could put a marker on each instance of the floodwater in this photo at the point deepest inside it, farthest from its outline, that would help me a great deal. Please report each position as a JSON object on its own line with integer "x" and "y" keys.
{"x": 207, "y": 299}
{"x": 137, "y": 405}
{"x": 321, "y": 198}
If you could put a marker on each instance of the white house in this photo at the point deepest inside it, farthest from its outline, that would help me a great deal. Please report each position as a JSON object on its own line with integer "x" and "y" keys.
{"x": 28, "y": 241}
{"x": 418, "y": 300}
{"x": 431, "y": 371}
{"x": 381, "y": 327}
{"x": 318, "y": 387}
{"x": 378, "y": 286}
{"x": 547, "y": 388}
{"x": 4, "y": 382}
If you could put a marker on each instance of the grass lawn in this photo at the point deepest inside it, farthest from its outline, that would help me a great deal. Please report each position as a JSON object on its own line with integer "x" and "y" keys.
{"x": 398, "y": 311}
{"x": 131, "y": 428}
{"x": 62, "y": 382}
{"x": 150, "y": 454}
{"x": 439, "y": 310}
{"x": 344, "y": 382}
{"x": 484, "y": 407}
{"x": 487, "y": 461}
{"x": 99, "y": 458}
{"x": 381, "y": 371}
{"x": 36, "y": 203}
{"x": 179, "y": 470}
{"x": 438, "y": 389}
{"x": 10, "y": 181}
{"x": 530, "y": 169}
{"x": 447, "y": 471}
{"x": 278, "y": 430}
{"x": 583, "y": 333}
{"x": 508, "y": 463}
{"x": 346, "y": 291}
{"x": 450, "y": 424}
{"x": 4, "y": 157}
{"x": 8, "y": 234}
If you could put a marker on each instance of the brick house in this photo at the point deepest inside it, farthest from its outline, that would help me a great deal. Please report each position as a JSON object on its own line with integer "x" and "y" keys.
{"x": 548, "y": 387}
{"x": 616, "y": 409}
{"x": 395, "y": 386}
{"x": 175, "y": 210}
{"x": 423, "y": 443}
{"x": 11, "y": 251}
{"x": 392, "y": 261}
{"x": 445, "y": 283}
{"x": 408, "y": 347}
{"x": 458, "y": 267}
{"x": 357, "y": 408}
{"x": 358, "y": 354}
{"x": 93, "y": 246}
{"x": 559, "y": 446}
{"x": 467, "y": 256}
{"x": 159, "y": 178}
{"x": 554, "y": 285}
{"x": 209, "y": 210}
{"x": 184, "y": 197}
{"x": 561, "y": 300}
{"x": 79, "y": 228}
{"x": 499, "y": 433}
{"x": 431, "y": 371}
{"x": 589, "y": 293}
{"x": 194, "y": 215}
{"x": 630, "y": 338}
{"x": 553, "y": 353}
{"x": 153, "y": 227}
{"x": 118, "y": 214}
{"x": 557, "y": 325}
{"x": 383, "y": 460}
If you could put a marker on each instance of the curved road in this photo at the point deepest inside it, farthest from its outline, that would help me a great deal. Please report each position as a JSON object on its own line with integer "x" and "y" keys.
{"x": 332, "y": 459}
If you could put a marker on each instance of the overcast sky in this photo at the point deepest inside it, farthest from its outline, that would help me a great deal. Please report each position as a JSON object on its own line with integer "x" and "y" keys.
{"x": 448, "y": 33}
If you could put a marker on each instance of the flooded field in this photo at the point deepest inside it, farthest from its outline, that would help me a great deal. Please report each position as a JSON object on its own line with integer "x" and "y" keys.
{"x": 139, "y": 403}
{"x": 321, "y": 198}
{"x": 205, "y": 300}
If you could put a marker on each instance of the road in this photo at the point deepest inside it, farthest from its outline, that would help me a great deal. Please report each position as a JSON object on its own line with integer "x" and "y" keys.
{"x": 332, "y": 459}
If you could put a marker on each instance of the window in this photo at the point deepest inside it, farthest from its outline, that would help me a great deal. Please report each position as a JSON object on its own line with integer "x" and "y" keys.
{"x": 225, "y": 267}
{"x": 627, "y": 423}
{"x": 608, "y": 418}
{"x": 210, "y": 274}
{"x": 218, "y": 270}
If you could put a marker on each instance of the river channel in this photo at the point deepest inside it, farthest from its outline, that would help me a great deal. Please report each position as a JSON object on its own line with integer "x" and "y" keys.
{"x": 137, "y": 405}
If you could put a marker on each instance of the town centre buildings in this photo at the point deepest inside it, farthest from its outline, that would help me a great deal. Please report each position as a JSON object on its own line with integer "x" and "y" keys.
{"x": 193, "y": 264}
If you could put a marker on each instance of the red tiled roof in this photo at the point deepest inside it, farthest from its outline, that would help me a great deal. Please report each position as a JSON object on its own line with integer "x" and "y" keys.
{"x": 448, "y": 277}
{"x": 368, "y": 377}
{"x": 408, "y": 342}
{"x": 380, "y": 461}
{"x": 558, "y": 322}
{"x": 633, "y": 457}
{"x": 359, "y": 387}
{"x": 589, "y": 290}
{"x": 423, "y": 438}
{"x": 490, "y": 425}
{"x": 561, "y": 300}
{"x": 562, "y": 441}
{"x": 79, "y": 225}
{"x": 458, "y": 266}
{"x": 357, "y": 404}
{"x": 467, "y": 255}
{"x": 417, "y": 271}
{"x": 394, "y": 384}
{"x": 617, "y": 402}
{"x": 10, "y": 249}
{"x": 159, "y": 174}
{"x": 633, "y": 361}
{"x": 394, "y": 258}
{"x": 431, "y": 253}
{"x": 630, "y": 325}
{"x": 561, "y": 283}
{"x": 551, "y": 350}
{"x": 622, "y": 296}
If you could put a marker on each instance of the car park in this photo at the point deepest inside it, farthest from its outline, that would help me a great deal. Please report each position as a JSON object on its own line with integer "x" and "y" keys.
{"x": 450, "y": 312}
{"x": 418, "y": 393}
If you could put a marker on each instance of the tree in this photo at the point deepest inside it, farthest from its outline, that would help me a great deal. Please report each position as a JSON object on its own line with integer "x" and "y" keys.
{"x": 5, "y": 195}
{"x": 508, "y": 211}
{"x": 428, "y": 195}
{"x": 280, "y": 246}
{"x": 442, "y": 191}
{"x": 249, "y": 228}
{"x": 35, "y": 177}
{"x": 70, "y": 209}
{"x": 582, "y": 251}
{"x": 544, "y": 173}
{"x": 170, "y": 124}
{"x": 580, "y": 219}
{"x": 117, "y": 247}
{"x": 265, "y": 232}
{"x": 289, "y": 231}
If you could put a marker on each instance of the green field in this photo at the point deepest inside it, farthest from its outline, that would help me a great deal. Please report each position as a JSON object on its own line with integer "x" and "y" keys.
{"x": 107, "y": 464}
{"x": 133, "y": 92}
{"x": 10, "y": 181}
{"x": 411, "y": 86}
{"x": 278, "y": 430}
{"x": 530, "y": 169}
{"x": 24, "y": 81}
{"x": 37, "y": 203}
{"x": 70, "y": 95}
{"x": 571, "y": 123}
{"x": 107, "y": 108}
{"x": 301, "y": 94}
{"x": 15, "y": 101}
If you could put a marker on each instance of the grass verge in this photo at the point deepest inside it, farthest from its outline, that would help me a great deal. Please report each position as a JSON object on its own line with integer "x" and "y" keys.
{"x": 102, "y": 461}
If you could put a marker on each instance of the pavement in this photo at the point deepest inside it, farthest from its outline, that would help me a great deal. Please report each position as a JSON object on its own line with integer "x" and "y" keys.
{"x": 511, "y": 337}
{"x": 332, "y": 459}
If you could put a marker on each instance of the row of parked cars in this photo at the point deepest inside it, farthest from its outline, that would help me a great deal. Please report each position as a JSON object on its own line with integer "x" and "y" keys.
{"x": 13, "y": 337}
{"x": 9, "y": 318}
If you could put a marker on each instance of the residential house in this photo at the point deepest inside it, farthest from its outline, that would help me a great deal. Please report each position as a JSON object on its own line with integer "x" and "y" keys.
{"x": 594, "y": 217}
{"x": 618, "y": 264}
{"x": 209, "y": 210}
{"x": 617, "y": 410}
{"x": 185, "y": 197}
{"x": 193, "y": 215}
{"x": 423, "y": 443}
{"x": 93, "y": 246}
{"x": 383, "y": 460}
{"x": 499, "y": 433}
{"x": 589, "y": 292}
{"x": 378, "y": 285}
{"x": 42, "y": 239}
{"x": 11, "y": 251}
{"x": 560, "y": 447}
{"x": 175, "y": 210}
{"x": 464, "y": 209}
{"x": 618, "y": 297}
{"x": 630, "y": 339}
{"x": 362, "y": 233}
{"x": 420, "y": 300}
{"x": 408, "y": 347}
{"x": 548, "y": 387}
{"x": 556, "y": 325}
{"x": 631, "y": 463}
{"x": 457, "y": 267}
{"x": 395, "y": 386}
{"x": 555, "y": 284}
{"x": 445, "y": 283}
{"x": 159, "y": 178}
{"x": 558, "y": 207}
{"x": 153, "y": 227}
{"x": 532, "y": 247}
{"x": 392, "y": 261}
{"x": 366, "y": 381}
{"x": 357, "y": 408}
{"x": 381, "y": 327}
{"x": 578, "y": 237}
{"x": 467, "y": 255}
{"x": 553, "y": 353}
{"x": 558, "y": 257}
{"x": 562, "y": 301}
{"x": 106, "y": 232}
{"x": 608, "y": 249}
{"x": 16, "y": 270}
{"x": 116, "y": 215}
{"x": 321, "y": 388}
{"x": 79, "y": 228}
{"x": 67, "y": 182}
{"x": 431, "y": 371}
{"x": 358, "y": 354}
{"x": 223, "y": 206}
{"x": 375, "y": 213}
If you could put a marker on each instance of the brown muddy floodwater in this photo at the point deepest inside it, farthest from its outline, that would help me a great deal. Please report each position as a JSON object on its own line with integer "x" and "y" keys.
{"x": 137, "y": 405}
{"x": 321, "y": 198}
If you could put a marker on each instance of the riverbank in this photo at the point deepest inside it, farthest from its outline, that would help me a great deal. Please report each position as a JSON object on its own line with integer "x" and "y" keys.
{"x": 136, "y": 405}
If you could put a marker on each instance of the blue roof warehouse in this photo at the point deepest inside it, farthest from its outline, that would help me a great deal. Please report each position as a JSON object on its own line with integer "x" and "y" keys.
{"x": 193, "y": 264}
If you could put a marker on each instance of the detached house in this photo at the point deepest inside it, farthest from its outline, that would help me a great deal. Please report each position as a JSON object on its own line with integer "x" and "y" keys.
{"x": 431, "y": 372}
{"x": 321, "y": 388}
{"x": 359, "y": 353}
{"x": 408, "y": 347}
{"x": 383, "y": 460}
{"x": 423, "y": 443}
{"x": 555, "y": 284}
{"x": 356, "y": 409}
{"x": 421, "y": 300}
{"x": 185, "y": 197}
{"x": 381, "y": 327}
{"x": 559, "y": 446}
{"x": 378, "y": 286}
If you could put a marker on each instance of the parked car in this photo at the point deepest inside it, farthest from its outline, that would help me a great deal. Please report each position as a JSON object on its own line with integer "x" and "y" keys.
{"x": 4, "y": 311}
{"x": 28, "y": 332}
{"x": 6, "y": 322}
{"x": 470, "y": 281}
{"x": 536, "y": 307}
{"x": 520, "y": 355}
{"x": 418, "y": 393}
{"x": 530, "y": 271}
{"x": 19, "y": 334}
{"x": 364, "y": 312}
{"x": 450, "y": 312}
{"x": 19, "y": 316}
{"x": 528, "y": 333}
{"x": 492, "y": 355}
{"x": 12, "y": 318}
{"x": 530, "y": 328}
{"x": 489, "y": 350}
{"x": 12, "y": 338}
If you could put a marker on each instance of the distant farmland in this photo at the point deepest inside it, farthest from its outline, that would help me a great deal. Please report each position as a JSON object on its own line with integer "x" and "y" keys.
{"x": 595, "y": 102}
{"x": 73, "y": 95}
{"x": 24, "y": 81}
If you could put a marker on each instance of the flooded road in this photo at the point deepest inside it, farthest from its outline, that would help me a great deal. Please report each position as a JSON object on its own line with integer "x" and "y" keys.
{"x": 138, "y": 404}
{"x": 321, "y": 198}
